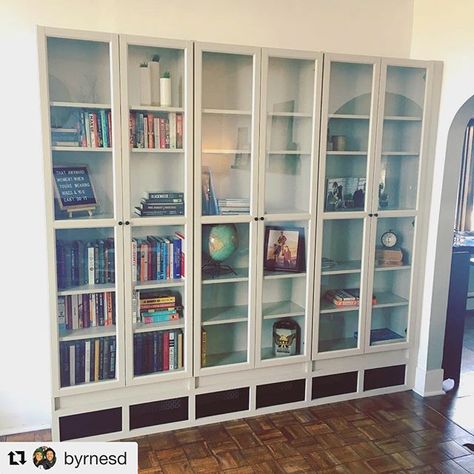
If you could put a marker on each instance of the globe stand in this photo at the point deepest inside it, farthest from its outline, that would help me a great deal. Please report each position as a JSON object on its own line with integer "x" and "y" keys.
{"x": 215, "y": 269}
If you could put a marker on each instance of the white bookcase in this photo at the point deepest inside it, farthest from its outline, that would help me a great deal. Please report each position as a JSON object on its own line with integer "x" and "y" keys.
{"x": 232, "y": 166}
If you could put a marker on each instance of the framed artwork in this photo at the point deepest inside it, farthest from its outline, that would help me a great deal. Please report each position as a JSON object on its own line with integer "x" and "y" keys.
{"x": 74, "y": 189}
{"x": 284, "y": 249}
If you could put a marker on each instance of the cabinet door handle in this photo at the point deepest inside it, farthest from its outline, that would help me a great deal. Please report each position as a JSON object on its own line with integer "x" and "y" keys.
{"x": 255, "y": 218}
{"x": 376, "y": 215}
{"x": 370, "y": 215}
{"x": 262, "y": 218}
{"x": 127, "y": 222}
{"x": 120, "y": 223}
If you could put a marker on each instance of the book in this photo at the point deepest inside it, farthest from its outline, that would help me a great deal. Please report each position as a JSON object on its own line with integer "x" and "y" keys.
{"x": 203, "y": 347}
{"x": 382, "y": 335}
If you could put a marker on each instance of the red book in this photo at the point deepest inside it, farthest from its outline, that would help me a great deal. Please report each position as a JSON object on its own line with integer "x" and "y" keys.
{"x": 167, "y": 128}
{"x": 162, "y": 132}
{"x": 96, "y": 129}
{"x": 166, "y": 350}
{"x": 144, "y": 261}
{"x": 179, "y": 130}
{"x": 151, "y": 141}
{"x": 108, "y": 299}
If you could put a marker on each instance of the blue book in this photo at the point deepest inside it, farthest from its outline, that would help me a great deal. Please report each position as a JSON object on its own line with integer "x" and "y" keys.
{"x": 177, "y": 258}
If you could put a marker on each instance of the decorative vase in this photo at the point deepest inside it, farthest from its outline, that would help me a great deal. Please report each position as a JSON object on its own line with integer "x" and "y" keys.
{"x": 165, "y": 91}
{"x": 145, "y": 86}
{"x": 154, "y": 67}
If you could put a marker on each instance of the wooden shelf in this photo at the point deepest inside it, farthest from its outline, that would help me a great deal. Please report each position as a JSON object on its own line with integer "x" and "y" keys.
{"x": 267, "y": 275}
{"x": 242, "y": 274}
{"x": 154, "y": 108}
{"x": 226, "y": 358}
{"x": 79, "y": 105}
{"x": 281, "y": 309}
{"x": 337, "y": 344}
{"x": 225, "y": 315}
{"x": 87, "y": 289}
{"x": 290, "y": 114}
{"x": 341, "y": 268}
{"x": 81, "y": 149}
{"x": 216, "y": 151}
{"x": 156, "y": 150}
{"x": 402, "y": 118}
{"x": 289, "y": 152}
{"x": 349, "y": 116}
{"x": 348, "y": 153}
{"x": 88, "y": 333}
{"x": 161, "y": 326}
{"x": 226, "y": 112}
{"x": 152, "y": 284}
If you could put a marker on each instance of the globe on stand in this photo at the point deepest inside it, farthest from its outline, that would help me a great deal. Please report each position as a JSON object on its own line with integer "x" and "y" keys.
{"x": 219, "y": 242}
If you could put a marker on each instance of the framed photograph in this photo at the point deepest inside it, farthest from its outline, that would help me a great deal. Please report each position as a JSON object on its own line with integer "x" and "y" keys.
{"x": 284, "y": 249}
{"x": 74, "y": 189}
{"x": 345, "y": 194}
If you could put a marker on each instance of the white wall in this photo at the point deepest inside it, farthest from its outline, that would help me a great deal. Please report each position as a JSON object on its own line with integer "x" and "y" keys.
{"x": 443, "y": 30}
{"x": 351, "y": 26}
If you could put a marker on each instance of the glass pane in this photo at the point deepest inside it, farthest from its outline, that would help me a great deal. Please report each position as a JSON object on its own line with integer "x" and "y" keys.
{"x": 290, "y": 91}
{"x": 86, "y": 305}
{"x": 158, "y": 298}
{"x": 81, "y": 128}
{"x": 339, "y": 311}
{"x": 225, "y": 294}
{"x": 227, "y": 92}
{"x": 284, "y": 289}
{"x": 392, "y": 279}
{"x": 350, "y": 97}
{"x": 401, "y": 139}
{"x": 156, "y": 130}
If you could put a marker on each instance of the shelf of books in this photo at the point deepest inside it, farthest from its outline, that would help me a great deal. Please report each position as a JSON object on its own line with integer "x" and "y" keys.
{"x": 158, "y": 302}
{"x": 87, "y": 306}
{"x": 157, "y": 95}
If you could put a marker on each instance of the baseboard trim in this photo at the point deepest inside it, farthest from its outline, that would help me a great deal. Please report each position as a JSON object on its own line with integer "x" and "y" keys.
{"x": 23, "y": 429}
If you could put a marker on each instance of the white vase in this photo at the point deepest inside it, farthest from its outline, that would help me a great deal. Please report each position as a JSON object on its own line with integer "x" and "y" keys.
{"x": 165, "y": 91}
{"x": 145, "y": 86}
{"x": 155, "y": 82}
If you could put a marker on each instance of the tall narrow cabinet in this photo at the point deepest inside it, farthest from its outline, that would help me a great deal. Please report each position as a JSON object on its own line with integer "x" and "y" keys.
{"x": 374, "y": 143}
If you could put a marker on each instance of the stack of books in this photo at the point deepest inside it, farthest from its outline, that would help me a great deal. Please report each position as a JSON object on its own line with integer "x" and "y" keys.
{"x": 157, "y": 351}
{"x": 232, "y": 206}
{"x": 156, "y": 308}
{"x": 388, "y": 257}
{"x": 345, "y": 296}
{"x": 85, "y": 361}
{"x": 64, "y": 137}
{"x": 158, "y": 203}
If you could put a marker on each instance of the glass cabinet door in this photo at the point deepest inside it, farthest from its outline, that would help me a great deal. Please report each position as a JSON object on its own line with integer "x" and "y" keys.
{"x": 403, "y": 91}
{"x": 227, "y": 85}
{"x": 287, "y": 176}
{"x": 156, "y": 80}
{"x": 88, "y": 305}
{"x": 392, "y": 280}
{"x": 84, "y": 111}
{"x": 350, "y": 95}
{"x": 156, "y": 77}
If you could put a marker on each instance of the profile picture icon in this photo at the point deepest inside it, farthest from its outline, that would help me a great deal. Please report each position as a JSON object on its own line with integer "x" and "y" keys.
{"x": 44, "y": 457}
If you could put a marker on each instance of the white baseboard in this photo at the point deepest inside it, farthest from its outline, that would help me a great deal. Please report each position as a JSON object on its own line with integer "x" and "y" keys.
{"x": 23, "y": 429}
{"x": 428, "y": 383}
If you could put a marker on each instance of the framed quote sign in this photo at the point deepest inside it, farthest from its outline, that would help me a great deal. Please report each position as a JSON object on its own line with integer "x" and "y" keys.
{"x": 74, "y": 189}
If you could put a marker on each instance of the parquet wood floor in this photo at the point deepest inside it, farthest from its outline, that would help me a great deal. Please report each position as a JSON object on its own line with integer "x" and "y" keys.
{"x": 390, "y": 433}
